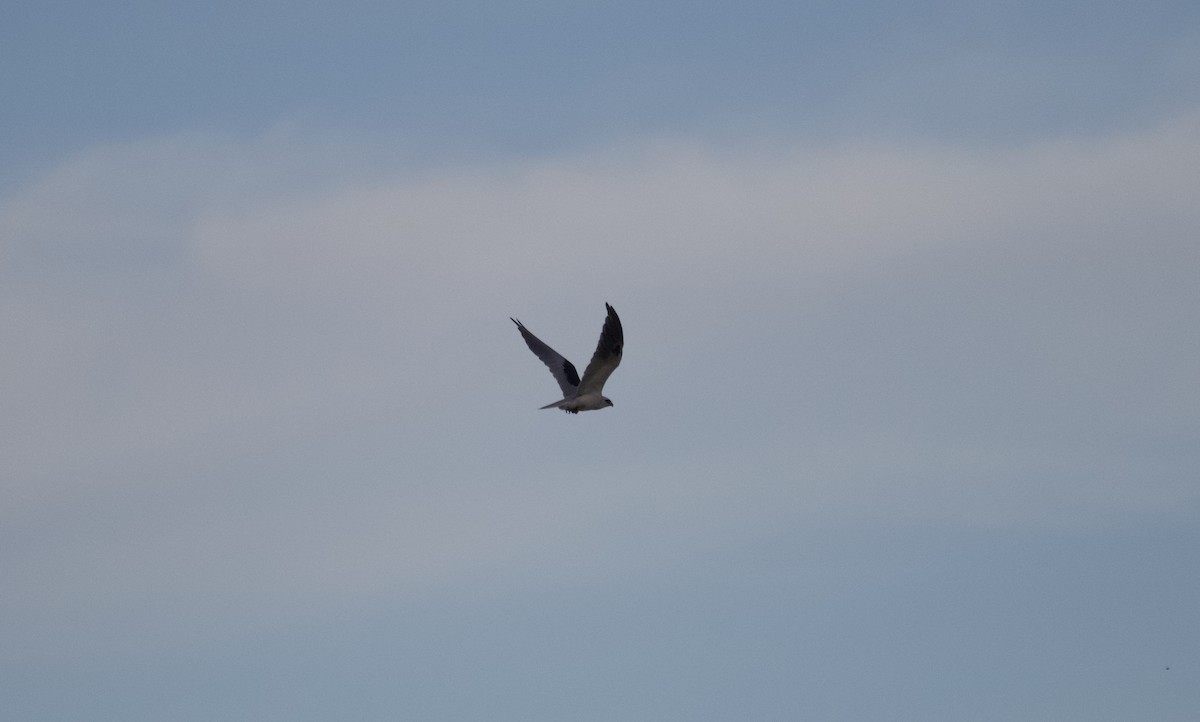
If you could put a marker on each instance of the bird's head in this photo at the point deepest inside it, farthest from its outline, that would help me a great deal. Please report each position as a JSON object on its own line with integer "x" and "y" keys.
{"x": 607, "y": 401}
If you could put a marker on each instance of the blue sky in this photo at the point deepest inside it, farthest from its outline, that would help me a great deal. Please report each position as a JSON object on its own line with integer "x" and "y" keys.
{"x": 905, "y": 427}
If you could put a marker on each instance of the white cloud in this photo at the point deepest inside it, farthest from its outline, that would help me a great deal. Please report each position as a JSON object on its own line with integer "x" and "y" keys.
{"x": 292, "y": 308}
{"x": 422, "y": 251}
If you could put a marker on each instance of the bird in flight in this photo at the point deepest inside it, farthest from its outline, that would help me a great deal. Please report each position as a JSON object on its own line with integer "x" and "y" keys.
{"x": 581, "y": 394}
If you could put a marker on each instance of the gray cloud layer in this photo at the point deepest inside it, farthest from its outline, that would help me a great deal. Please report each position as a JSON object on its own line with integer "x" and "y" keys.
{"x": 240, "y": 380}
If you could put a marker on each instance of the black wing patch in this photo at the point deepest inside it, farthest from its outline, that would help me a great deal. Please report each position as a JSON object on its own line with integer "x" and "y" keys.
{"x": 570, "y": 372}
{"x": 563, "y": 370}
{"x": 607, "y": 356}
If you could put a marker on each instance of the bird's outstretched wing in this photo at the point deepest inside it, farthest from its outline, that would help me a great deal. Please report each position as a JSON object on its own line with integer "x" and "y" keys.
{"x": 563, "y": 370}
{"x": 607, "y": 356}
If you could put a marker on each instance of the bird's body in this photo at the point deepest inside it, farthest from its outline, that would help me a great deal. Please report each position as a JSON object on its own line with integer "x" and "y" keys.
{"x": 586, "y": 402}
{"x": 582, "y": 394}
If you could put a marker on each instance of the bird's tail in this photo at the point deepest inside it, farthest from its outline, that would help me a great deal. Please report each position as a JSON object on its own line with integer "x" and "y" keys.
{"x": 559, "y": 405}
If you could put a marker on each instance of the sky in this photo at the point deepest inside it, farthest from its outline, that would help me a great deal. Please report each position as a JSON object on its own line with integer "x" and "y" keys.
{"x": 905, "y": 426}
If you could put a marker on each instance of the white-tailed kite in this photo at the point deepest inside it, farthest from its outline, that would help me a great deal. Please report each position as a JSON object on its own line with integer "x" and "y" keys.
{"x": 581, "y": 395}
